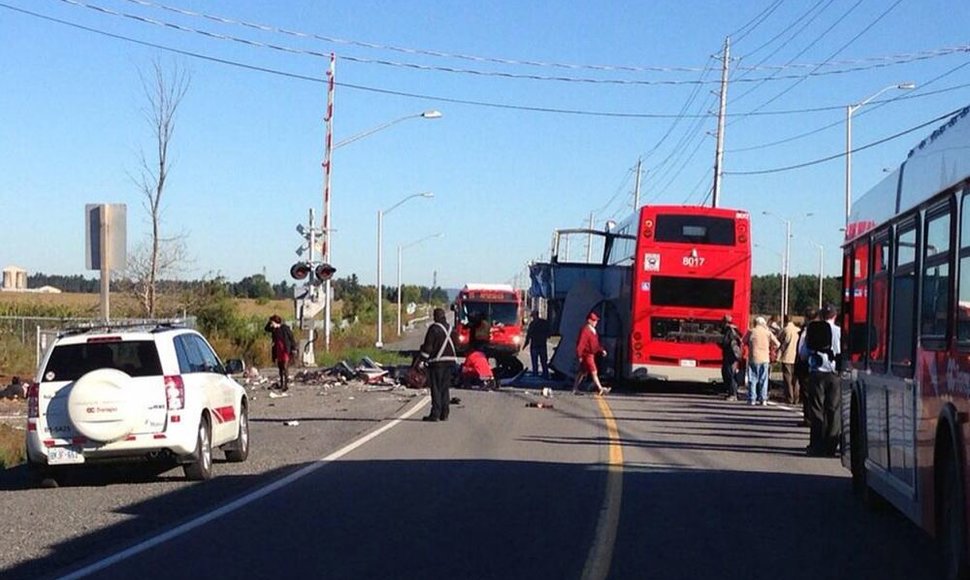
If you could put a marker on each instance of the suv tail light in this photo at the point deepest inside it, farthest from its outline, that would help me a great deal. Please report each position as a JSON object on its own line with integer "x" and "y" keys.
{"x": 33, "y": 400}
{"x": 174, "y": 393}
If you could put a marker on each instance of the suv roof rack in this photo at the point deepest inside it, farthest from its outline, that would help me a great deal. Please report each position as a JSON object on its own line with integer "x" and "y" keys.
{"x": 152, "y": 324}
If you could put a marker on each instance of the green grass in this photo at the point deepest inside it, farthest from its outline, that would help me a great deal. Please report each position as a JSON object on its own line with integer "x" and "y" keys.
{"x": 13, "y": 450}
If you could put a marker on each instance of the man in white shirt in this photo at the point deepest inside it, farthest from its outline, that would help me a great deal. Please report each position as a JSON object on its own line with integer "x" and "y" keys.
{"x": 825, "y": 390}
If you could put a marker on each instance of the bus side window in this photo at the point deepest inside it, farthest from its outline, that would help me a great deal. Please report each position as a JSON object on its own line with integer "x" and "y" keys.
{"x": 903, "y": 297}
{"x": 963, "y": 289}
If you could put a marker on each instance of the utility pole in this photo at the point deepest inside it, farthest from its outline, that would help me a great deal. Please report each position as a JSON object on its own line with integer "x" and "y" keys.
{"x": 636, "y": 190}
{"x": 719, "y": 150}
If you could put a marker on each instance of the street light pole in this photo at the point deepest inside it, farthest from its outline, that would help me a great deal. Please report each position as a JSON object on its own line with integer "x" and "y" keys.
{"x": 786, "y": 260}
{"x": 821, "y": 260}
{"x": 848, "y": 142}
{"x": 328, "y": 167}
{"x": 380, "y": 264}
{"x": 400, "y": 251}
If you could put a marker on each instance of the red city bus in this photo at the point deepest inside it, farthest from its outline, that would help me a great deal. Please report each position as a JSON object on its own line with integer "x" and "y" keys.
{"x": 692, "y": 266}
{"x": 906, "y": 329}
{"x": 495, "y": 311}
{"x": 667, "y": 278}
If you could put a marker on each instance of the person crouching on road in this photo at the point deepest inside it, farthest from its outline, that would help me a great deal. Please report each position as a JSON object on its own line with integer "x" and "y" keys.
{"x": 283, "y": 348}
{"x": 476, "y": 372}
{"x": 438, "y": 354}
{"x": 587, "y": 347}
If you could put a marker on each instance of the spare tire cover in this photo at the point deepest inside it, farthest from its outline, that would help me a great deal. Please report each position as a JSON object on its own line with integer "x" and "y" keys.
{"x": 101, "y": 406}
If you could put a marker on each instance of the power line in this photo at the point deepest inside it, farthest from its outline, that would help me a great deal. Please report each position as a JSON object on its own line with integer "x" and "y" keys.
{"x": 446, "y": 69}
{"x": 836, "y": 53}
{"x": 840, "y": 155}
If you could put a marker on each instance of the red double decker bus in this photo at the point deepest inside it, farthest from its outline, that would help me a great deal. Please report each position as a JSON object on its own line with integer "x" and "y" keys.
{"x": 667, "y": 277}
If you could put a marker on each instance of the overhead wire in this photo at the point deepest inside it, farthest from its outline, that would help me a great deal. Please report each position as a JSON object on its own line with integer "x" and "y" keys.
{"x": 842, "y": 154}
{"x": 872, "y": 107}
{"x": 445, "y": 69}
{"x": 740, "y": 33}
{"x": 794, "y": 32}
{"x": 837, "y": 52}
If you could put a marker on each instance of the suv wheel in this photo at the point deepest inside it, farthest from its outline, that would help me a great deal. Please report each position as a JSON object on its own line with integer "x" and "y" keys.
{"x": 238, "y": 450}
{"x": 200, "y": 466}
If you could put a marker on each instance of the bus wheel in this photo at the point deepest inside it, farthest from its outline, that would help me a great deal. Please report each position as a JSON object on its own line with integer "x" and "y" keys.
{"x": 951, "y": 526}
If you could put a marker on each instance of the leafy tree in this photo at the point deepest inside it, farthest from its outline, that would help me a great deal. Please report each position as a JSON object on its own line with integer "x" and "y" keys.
{"x": 254, "y": 286}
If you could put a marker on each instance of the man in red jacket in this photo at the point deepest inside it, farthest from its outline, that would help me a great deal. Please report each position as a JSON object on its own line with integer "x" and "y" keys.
{"x": 587, "y": 347}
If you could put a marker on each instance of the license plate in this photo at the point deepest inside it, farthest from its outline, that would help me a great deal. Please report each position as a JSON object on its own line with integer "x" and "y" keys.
{"x": 63, "y": 456}
{"x": 688, "y": 362}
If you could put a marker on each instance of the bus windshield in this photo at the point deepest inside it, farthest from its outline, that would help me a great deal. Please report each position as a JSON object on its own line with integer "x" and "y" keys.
{"x": 695, "y": 229}
{"x": 496, "y": 312}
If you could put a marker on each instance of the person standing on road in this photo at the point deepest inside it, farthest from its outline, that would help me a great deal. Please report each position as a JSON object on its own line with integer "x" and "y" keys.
{"x": 788, "y": 354}
{"x": 730, "y": 357}
{"x": 760, "y": 341}
{"x": 283, "y": 348}
{"x": 537, "y": 337}
{"x": 825, "y": 390}
{"x": 802, "y": 373}
{"x": 438, "y": 355}
{"x": 587, "y": 348}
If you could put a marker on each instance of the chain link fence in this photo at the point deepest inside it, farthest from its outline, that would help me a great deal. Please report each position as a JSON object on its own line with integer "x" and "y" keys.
{"x": 38, "y": 332}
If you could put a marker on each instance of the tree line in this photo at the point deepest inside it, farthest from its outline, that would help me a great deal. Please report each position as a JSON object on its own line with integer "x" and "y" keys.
{"x": 765, "y": 290}
{"x": 255, "y": 287}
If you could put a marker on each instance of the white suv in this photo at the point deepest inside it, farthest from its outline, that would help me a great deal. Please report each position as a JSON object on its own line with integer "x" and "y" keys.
{"x": 155, "y": 392}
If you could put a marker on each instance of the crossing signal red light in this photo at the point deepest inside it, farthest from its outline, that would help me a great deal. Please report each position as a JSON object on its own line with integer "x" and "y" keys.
{"x": 300, "y": 270}
{"x": 324, "y": 272}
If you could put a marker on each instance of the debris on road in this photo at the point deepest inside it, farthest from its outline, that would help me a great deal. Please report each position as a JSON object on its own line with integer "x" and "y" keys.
{"x": 293, "y": 423}
{"x": 540, "y": 405}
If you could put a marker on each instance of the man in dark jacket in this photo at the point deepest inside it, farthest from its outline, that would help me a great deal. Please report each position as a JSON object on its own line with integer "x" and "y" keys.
{"x": 730, "y": 357}
{"x": 438, "y": 354}
{"x": 538, "y": 336}
{"x": 283, "y": 348}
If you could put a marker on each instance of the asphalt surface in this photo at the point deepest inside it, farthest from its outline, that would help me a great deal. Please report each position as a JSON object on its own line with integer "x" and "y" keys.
{"x": 673, "y": 482}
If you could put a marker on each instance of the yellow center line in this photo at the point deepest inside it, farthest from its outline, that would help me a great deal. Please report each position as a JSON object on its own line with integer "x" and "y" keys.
{"x": 601, "y": 552}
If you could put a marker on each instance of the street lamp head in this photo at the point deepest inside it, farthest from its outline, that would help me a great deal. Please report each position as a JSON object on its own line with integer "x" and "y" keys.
{"x": 427, "y": 194}
{"x": 431, "y": 114}
{"x": 906, "y": 86}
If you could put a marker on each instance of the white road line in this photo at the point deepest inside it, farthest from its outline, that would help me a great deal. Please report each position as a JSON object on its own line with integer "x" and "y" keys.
{"x": 243, "y": 501}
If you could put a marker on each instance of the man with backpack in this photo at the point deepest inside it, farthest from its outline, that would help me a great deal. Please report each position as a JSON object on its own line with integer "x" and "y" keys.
{"x": 822, "y": 349}
{"x": 730, "y": 357}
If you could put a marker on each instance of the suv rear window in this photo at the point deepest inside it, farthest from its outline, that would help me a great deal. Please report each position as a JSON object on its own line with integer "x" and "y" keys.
{"x": 69, "y": 362}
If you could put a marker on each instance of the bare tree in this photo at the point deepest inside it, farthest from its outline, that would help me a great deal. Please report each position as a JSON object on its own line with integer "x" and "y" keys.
{"x": 158, "y": 257}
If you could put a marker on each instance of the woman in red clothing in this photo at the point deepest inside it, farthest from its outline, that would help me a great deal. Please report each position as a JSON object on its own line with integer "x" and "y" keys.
{"x": 283, "y": 347}
{"x": 587, "y": 347}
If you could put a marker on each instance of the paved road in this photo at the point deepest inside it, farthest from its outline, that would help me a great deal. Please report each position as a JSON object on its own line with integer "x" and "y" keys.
{"x": 657, "y": 485}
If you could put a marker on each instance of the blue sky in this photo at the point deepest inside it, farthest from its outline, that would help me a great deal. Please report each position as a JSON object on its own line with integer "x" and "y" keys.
{"x": 521, "y": 148}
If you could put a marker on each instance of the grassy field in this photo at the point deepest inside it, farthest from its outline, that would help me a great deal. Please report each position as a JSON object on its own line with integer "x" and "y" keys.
{"x": 17, "y": 358}
{"x": 12, "y": 451}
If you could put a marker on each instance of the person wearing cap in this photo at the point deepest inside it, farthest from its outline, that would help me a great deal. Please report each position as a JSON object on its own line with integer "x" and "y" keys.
{"x": 587, "y": 348}
{"x": 536, "y": 337}
{"x": 283, "y": 348}
{"x": 760, "y": 341}
{"x": 438, "y": 355}
{"x": 730, "y": 357}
